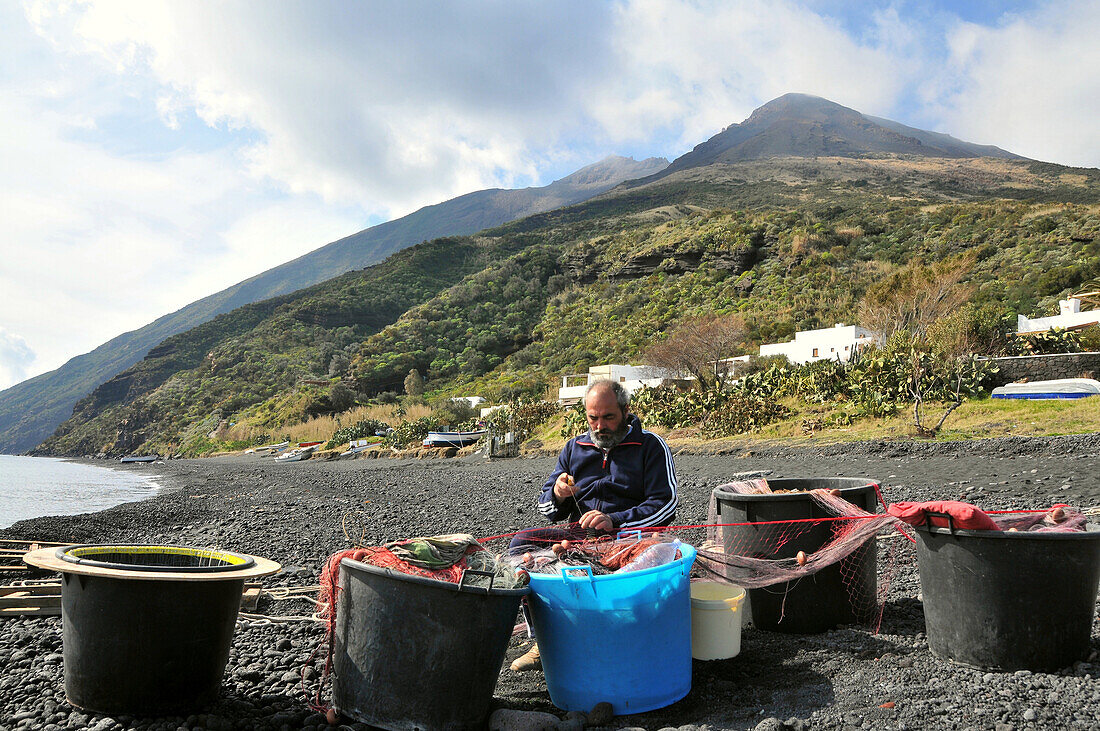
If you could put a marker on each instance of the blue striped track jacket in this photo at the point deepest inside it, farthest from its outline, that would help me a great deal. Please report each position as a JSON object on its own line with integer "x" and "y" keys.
{"x": 633, "y": 483}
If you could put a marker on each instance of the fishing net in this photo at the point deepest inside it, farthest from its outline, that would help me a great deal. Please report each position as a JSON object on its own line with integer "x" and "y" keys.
{"x": 751, "y": 554}
{"x": 957, "y": 515}
{"x": 443, "y": 558}
{"x": 1059, "y": 519}
{"x": 762, "y": 554}
{"x": 603, "y": 555}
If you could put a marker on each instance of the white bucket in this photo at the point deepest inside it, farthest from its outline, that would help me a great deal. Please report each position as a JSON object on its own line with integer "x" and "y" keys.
{"x": 715, "y": 620}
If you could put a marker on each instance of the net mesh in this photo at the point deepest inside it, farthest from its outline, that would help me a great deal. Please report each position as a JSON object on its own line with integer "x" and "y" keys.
{"x": 604, "y": 555}
{"x": 754, "y": 558}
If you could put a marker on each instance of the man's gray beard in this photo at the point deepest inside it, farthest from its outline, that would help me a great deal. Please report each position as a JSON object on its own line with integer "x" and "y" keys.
{"x": 608, "y": 441}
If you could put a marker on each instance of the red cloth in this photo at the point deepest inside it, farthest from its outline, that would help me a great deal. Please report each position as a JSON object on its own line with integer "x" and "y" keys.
{"x": 963, "y": 515}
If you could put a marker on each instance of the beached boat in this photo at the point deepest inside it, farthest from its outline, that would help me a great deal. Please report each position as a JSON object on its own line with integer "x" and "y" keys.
{"x": 297, "y": 455}
{"x": 453, "y": 438}
{"x": 356, "y": 449}
{"x": 134, "y": 458}
{"x": 1060, "y": 388}
{"x": 268, "y": 448}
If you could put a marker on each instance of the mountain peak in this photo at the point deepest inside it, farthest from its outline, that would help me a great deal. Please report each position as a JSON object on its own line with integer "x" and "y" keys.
{"x": 798, "y": 106}
{"x": 613, "y": 169}
{"x": 802, "y": 125}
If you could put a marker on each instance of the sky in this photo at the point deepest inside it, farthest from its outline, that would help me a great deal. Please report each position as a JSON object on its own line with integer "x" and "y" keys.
{"x": 155, "y": 152}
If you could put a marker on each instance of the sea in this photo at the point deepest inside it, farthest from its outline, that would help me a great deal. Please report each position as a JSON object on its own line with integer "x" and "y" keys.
{"x": 31, "y": 487}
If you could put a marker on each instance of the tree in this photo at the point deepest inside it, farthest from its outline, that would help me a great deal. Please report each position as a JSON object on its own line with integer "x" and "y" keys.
{"x": 414, "y": 383}
{"x": 342, "y": 397}
{"x": 338, "y": 366}
{"x": 914, "y": 297}
{"x": 972, "y": 329}
{"x": 698, "y": 346}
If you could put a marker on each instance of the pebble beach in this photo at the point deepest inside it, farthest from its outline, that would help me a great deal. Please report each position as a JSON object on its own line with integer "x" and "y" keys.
{"x": 299, "y": 513}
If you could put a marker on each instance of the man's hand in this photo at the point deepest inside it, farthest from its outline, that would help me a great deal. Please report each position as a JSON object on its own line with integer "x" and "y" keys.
{"x": 597, "y": 521}
{"x": 564, "y": 487}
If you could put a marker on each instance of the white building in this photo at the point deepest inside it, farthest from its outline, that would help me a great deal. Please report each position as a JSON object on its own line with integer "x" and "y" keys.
{"x": 632, "y": 378}
{"x": 834, "y": 343}
{"x": 1069, "y": 317}
{"x": 727, "y": 367}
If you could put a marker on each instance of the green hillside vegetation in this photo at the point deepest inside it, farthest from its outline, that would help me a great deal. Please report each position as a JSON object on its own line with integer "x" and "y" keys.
{"x": 256, "y": 353}
{"x": 787, "y": 245}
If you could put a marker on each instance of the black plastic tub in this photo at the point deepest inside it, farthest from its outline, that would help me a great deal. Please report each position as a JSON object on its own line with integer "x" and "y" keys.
{"x": 843, "y": 593}
{"x": 146, "y": 630}
{"x": 411, "y": 653}
{"x": 1009, "y": 601}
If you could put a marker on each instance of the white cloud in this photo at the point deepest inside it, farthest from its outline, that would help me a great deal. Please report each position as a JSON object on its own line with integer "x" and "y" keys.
{"x": 94, "y": 243}
{"x": 701, "y": 66}
{"x": 15, "y": 357}
{"x": 389, "y": 103}
{"x": 1030, "y": 84}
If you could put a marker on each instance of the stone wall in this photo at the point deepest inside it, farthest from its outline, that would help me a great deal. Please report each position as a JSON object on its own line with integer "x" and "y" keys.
{"x": 1045, "y": 367}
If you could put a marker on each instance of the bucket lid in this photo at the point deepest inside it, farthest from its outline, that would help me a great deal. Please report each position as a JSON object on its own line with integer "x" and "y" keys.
{"x": 713, "y": 595}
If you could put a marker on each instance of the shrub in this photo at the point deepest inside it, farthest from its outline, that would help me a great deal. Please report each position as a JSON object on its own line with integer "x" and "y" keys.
{"x": 455, "y": 412}
{"x": 523, "y": 417}
{"x": 576, "y": 421}
{"x": 528, "y": 416}
{"x": 1054, "y": 340}
{"x": 738, "y": 414}
{"x": 719, "y": 413}
{"x": 410, "y": 432}
{"x": 359, "y": 430}
{"x": 970, "y": 330}
{"x": 876, "y": 381}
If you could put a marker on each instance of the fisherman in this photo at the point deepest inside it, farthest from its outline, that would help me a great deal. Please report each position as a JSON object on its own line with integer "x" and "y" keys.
{"x": 616, "y": 476}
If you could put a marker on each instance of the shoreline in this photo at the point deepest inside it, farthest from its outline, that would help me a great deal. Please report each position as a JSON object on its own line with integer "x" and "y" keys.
{"x": 47, "y": 484}
{"x": 298, "y": 513}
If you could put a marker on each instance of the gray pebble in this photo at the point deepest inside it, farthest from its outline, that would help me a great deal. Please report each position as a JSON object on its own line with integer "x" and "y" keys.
{"x": 507, "y": 719}
{"x": 601, "y": 714}
{"x": 578, "y": 715}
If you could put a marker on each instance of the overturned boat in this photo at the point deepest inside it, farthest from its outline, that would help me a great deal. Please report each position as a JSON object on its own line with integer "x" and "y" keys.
{"x": 355, "y": 446}
{"x": 298, "y": 455}
{"x": 453, "y": 438}
{"x": 1060, "y": 388}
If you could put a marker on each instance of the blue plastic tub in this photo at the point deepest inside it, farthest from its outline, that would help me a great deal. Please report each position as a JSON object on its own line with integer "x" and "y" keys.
{"x": 620, "y": 638}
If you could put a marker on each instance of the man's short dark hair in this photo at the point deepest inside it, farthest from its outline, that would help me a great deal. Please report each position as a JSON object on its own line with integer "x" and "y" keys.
{"x": 621, "y": 396}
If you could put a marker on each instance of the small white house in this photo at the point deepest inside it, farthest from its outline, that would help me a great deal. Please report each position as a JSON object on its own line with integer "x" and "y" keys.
{"x": 727, "y": 367}
{"x": 834, "y": 343}
{"x": 632, "y": 378}
{"x": 1069, "y": 317}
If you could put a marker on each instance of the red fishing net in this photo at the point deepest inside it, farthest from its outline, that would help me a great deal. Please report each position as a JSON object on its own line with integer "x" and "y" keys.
{"x": 329, "y": 595}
